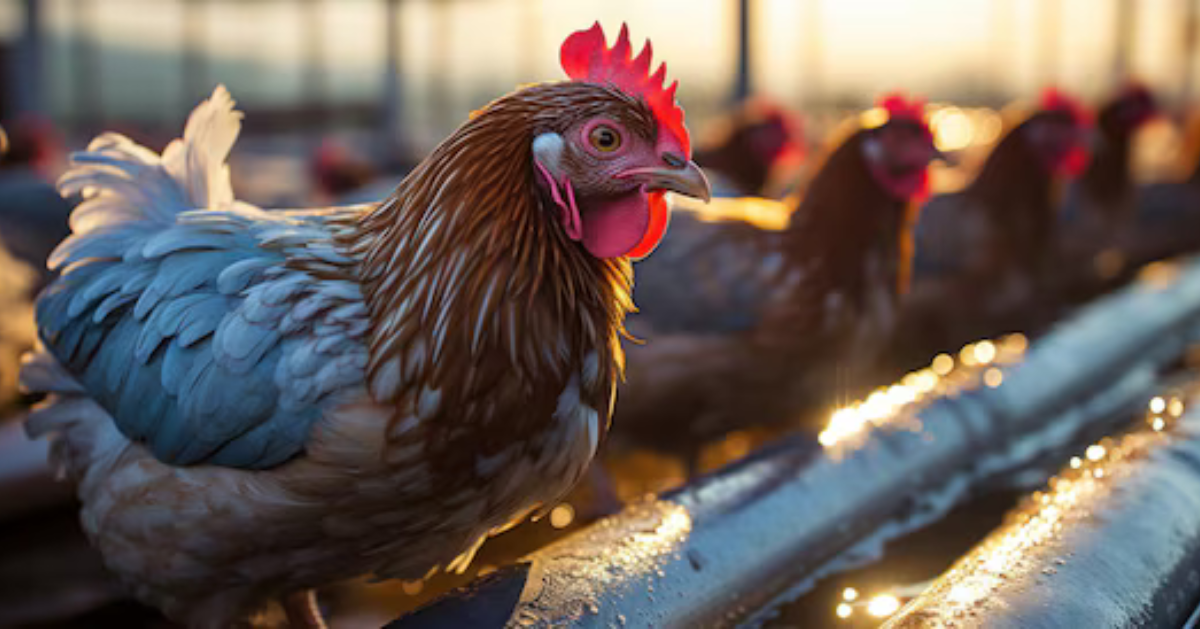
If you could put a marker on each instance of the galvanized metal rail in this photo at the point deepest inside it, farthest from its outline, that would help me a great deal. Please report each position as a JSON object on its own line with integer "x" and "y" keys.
{"x": 1114, "y": 541}
{"x": 736, "y": 542}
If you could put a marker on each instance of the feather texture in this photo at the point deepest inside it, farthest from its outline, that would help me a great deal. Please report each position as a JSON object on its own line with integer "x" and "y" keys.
{"x": 260, "y": 402}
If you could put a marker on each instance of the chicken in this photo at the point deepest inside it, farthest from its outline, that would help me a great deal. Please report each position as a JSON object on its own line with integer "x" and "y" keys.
{"x": 748, "y": 148}
{"x": 1168, "y": 212}
{"x": 1100, "y": 205}
{"x": 745, "y": 326}
{"x": 257, "y": 403}
{"x": 986, "y": 254}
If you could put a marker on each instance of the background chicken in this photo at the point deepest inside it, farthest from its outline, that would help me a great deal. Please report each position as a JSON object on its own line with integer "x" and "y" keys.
{"x": 747, "y": 150}
{"x": 257, "y": 403}
{"x": 1167, "y": 222}
{"x": 1100, "y": 206}
{"x": 985, "y": 256}
{"x": 747, "y": 326}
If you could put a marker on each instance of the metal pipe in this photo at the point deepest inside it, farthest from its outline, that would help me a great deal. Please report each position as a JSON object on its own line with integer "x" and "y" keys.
{"x": 762, "y": 530}
{"x": 1057, "y": 564}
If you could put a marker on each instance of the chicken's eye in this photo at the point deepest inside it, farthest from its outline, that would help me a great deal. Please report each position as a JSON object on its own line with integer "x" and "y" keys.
{"x": 605, "y": 139}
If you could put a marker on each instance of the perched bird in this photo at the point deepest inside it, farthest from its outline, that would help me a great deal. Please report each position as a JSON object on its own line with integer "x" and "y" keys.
{"x": 1101, "y": 204}
{"x": 1167, "y": 222}
{"x": 988, "y": 251}
{"x": 747, "y": 147}
{"x": 257, "y": 403}
{"x": 338, "y": 171}
{"x": 746, "y": 326}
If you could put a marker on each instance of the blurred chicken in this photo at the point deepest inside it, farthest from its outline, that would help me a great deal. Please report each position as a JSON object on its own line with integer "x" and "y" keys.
{"x": 338, "y": 171}
{"x": 1100, "y": 206}
{"x": 746, "y": 150}
{"x": 745, "y": 326}
{"x": 985, "y": 257}
{"x": 257, "y": 403}
{"x": 1168, "y": 213}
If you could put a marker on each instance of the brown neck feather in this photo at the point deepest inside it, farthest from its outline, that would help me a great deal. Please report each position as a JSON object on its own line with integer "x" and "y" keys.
{"x": 468, "y": 277}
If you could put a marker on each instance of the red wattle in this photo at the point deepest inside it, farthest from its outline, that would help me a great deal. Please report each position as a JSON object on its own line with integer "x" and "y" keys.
{"x": 660, "y": 216}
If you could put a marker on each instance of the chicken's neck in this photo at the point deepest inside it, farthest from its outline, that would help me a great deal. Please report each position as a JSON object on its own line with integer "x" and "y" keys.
{"x": 1107, "y": 180}
{"x": 1017, "y": 194}
{"x": 846, "y": 222}
{"x": 1013, "y": 181}
{"x": 470, "y": 282}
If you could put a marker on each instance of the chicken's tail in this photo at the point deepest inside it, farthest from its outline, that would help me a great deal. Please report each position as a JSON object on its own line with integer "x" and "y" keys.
{"x": 131, "y": 191}
{"x": 81, "y": 432}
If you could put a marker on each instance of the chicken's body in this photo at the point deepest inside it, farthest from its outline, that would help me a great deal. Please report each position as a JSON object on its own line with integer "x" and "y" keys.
{"x": 986, "y": 256}
{"x": 1100, "y": 209}
{"x": 746, "y": 327}
{"x": 258, "y": 403}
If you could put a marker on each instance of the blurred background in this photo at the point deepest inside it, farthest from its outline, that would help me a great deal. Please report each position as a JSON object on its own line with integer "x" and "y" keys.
{"x": 343, "y": 97}
{"x": 392, "y": 77}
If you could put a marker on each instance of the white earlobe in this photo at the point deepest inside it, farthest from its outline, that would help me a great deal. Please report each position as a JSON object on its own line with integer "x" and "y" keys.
{"x": 872, "y": 150}
{"x": 547, "y": 150}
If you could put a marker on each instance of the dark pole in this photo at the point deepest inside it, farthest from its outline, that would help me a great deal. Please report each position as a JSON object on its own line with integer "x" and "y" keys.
{"x": 314, "y": 69}
{"x": 1051, "y": 27}
{"x": 27, "y": 66}
{"x": 89, "y": 100}
{"x": 1126, "y": 27}
{"x": 1189, "y": 53}
{"x": 742, "y": 87}
{"x": 392, "y": 85}
{"x": 195, "y": 74}
{"x": 812, "y": 51}
{"x": 439, "y": 88}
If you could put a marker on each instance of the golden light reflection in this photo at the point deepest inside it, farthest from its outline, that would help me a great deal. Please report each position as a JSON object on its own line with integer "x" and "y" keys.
{"x": 878, "y": 605}
{"x": 985, "y": 352}
{"x": 640, "y": 541}
{"x": 1042, "y": 516}
{"x": 942, "y": 377}
{"x": 942, "y": 364}
{"x": 883, "y": 605}
{"x": 562, "y": 516}
{"x": 1159, "y": 275}
{"x": 766, "y": 214}
{"x": 952, "y": 129}
{"x": 1158, "y": 405}
{"x": 873, "y": 117}
{"x": 988, "y": 127}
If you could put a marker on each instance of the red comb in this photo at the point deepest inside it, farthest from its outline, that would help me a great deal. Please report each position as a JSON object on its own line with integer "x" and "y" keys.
{"x": 899, "y": 107}
{"x": 586, "y": 57}
{"x": 1054, "y": 99}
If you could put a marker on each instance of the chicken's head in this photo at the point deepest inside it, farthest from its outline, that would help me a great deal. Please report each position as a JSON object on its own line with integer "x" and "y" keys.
{"x": 1133, "y": 107}
{"x": 1058, "y": 133}
{"x": 899, "y": 149}
{"x": 616, "y": 147}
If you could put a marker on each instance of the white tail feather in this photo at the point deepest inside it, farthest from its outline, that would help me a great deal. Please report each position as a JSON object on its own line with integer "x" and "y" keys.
{"x": 123, "y": 181}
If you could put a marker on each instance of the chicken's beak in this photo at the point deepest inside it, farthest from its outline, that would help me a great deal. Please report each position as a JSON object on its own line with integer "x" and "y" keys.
{"x": 686, "y": 179}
